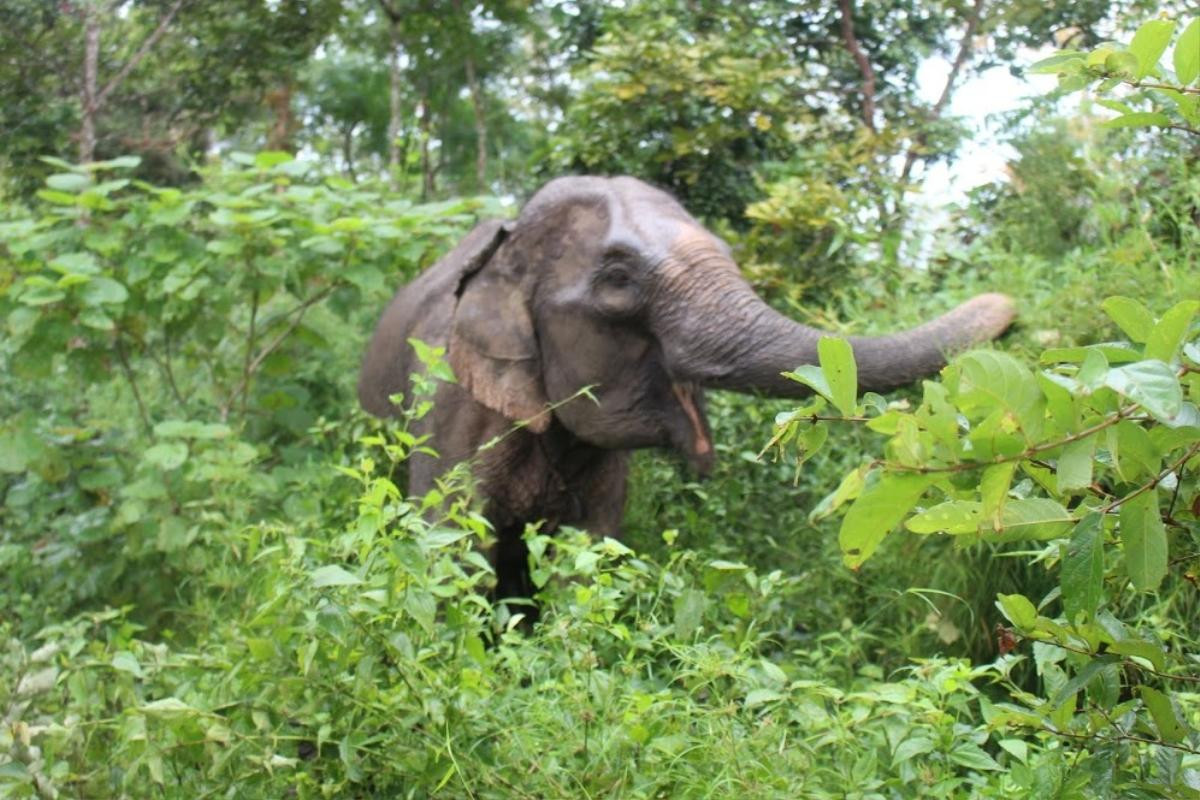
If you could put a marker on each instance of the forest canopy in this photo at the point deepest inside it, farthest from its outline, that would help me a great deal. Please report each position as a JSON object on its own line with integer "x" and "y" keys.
{"x": 214, "y": 582}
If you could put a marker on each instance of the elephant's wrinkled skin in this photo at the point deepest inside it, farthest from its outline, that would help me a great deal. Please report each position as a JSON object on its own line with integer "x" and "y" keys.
{"x": 603, "y": 282}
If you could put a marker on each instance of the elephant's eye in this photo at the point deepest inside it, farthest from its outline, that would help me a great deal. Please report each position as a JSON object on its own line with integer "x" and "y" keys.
{"x": 617, "y": 290}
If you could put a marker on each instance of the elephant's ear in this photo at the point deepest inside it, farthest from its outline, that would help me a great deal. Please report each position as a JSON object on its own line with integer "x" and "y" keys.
{"x": 493, "y": 349}
{"x": 422, "y": 310}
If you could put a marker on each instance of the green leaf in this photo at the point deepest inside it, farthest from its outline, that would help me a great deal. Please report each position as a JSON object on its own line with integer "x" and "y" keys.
{"x": 989, "y": 378}
{"x": 166, "y": 455}
{"x": 68, "y": 181}
{"x": 271, "y": 158}
{"x": 1151, "y": 384}
{"x": 121, "y": 162}
{"x": 125, "y": 661}
{"x": 954, "y": 516}
{"x": 1148, "y": 651}
{"x": 1187, "y": 53}
{"x": 101, "y": 290}
{"x": 1164, "y": 341}
{"x": 1018, "y": 610}
{"x": 1083, "y": 568}
{"x": 972, "y": 757}
{"x": 1036, "y": 518}
{"x": 1056, "y": 64}
{"x": 876, "y": 512}
{"x": 841, "y": 373}
{"x": 333, "y": 575}
{"x": 1075, "y": 465}
{"x": 1138, "y": 119}
{"x": 1170, "y": 727}
{"x": 1131, "y": 316}
{"x": 1136, "y": 452}
{"x": 423, "y": 608}
{"x": 1149, "y": 43}
{"x": 849, "y": 488}
{"x": 1144, "y": 541}
{"x": 689, "y": 612}
{"x": 813, "y": 378}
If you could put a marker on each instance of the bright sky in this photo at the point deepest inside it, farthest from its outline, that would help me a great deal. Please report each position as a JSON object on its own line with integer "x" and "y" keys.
{"x": 982, "y": 157}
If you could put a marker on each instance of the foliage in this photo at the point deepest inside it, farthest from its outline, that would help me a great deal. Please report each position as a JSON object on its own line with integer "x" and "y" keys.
{"x": 1157, "y": 95}
{"x": 177, "y": 354}
{"x": 1093, "y": 459}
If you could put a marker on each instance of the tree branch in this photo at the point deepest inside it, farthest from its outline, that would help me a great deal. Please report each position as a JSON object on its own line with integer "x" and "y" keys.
{"x": 860, "y": 58}
{"x": 964, "y": 54}
{"x": 137, "y": 57}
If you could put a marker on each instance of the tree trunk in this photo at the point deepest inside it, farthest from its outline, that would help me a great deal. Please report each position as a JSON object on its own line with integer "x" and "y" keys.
{"x": 283, "y": 126}
{"x": 91, "y": 59}
{"x": 427, "y": 167}
{"x": 476, "y": 98}
{"x": 480, "y": 126}
{"x": 394, "y": 113}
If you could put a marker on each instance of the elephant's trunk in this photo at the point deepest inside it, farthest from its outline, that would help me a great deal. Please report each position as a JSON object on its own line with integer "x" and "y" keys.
{"x": 724, "y": 336}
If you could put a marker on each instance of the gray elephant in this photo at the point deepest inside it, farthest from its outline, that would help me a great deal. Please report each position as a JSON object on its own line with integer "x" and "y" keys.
{"x": 604, "y": 282}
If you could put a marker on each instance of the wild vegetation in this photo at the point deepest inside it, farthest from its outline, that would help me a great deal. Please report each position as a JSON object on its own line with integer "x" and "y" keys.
{"x": 213, "y": 583}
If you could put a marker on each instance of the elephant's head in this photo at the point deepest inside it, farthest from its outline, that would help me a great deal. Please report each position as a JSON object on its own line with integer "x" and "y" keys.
{"x": 608, "y": 282}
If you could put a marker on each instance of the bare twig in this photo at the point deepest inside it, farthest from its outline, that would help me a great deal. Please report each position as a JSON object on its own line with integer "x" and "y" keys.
{"x": 1152, "y": 483}
{"x": 250, "y": 342}
{"x": 860, "y": 58}
{"x": 137, "y": 394}
{"x": 964, "y": 54}
{"x": 1024, "y": 455}
{"x": 252, "y": 366}
{"x": 137, "y": 57}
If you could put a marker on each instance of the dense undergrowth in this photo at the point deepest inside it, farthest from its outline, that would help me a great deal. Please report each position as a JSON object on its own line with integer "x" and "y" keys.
{"x": 213, "y": 586}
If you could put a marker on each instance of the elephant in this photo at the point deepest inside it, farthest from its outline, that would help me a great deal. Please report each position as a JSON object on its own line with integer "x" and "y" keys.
{"x": 603, "y": 282}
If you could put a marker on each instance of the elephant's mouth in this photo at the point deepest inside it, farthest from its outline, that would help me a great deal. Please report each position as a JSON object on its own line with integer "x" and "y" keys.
{"x": 694, "y": 441}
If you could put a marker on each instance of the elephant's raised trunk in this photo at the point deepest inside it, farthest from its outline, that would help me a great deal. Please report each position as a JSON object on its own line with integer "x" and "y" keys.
{"x": 726, "y": 337}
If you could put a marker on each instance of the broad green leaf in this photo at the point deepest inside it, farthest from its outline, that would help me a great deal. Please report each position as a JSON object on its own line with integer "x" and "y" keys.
{"x": 1035, "y": 518}
{"x": 1075, "y": 465}
{"x": 166, "y": 455}
{"x": 1056, "y": 63}
{"x": 1149, "y": 43}
{"x": 1144, "y": 541}
{"x": 120, "y": 162}
{"x": 190, "y": 429}
{"x": 812, "y": 377}
{"x": 954, "y": 516}
{"x": 1131, "y": 316}
{"x": 1164, "y": 341}
{"x": 1170, "y": 727}
{"x": 876, "y": 512}
{"x": 68, "y": 181}
{"x": 271, "y": 158}
{"x": 972, "y": 756}
{"x": 422, "y": 606}
{"x": 1187, "y": 53}
{"x": 1018, "y": 610}
{"x": 1138, "y": 119}
{"x": 993, "y": 492}
{"x": 913, "y": 746}
{"x": 1148, "y": 651}
{"x": 1113, "y": 352}
{"x": 841, "y": 373}
{"x": 39, "y": 294}
{"x": 989, "y": 378}
{"x": 849, "y": 488}
{"x": 1151, "y": 384}
{"x": 689, "y": 612}
{"x": 125, "y": 661}
{"x": 1136, "y": 454}
{"x": 333, "y": 575}
{"x": 1083, "y": 568}
{"x": 101, "y": 290}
